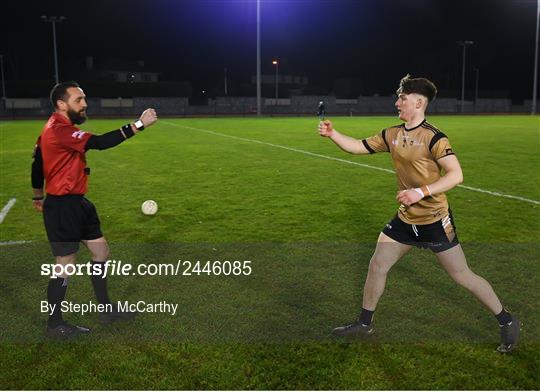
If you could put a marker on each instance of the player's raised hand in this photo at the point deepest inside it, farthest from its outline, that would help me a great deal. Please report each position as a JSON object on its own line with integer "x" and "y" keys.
{"x": 408, "y": 197}
{"x": 148, "y": 117}
{"x": 325, "y": 128}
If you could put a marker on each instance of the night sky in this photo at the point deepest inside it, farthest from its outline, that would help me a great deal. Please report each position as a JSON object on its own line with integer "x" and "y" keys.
{"x": 376, "y": 41}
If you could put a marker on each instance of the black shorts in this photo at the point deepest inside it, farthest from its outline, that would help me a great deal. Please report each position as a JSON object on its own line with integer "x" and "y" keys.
{"x": 438, "y": 236}
{"x": 69, "y": 219}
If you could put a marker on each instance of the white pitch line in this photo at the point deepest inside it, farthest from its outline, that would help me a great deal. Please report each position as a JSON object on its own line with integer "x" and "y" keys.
{"x": 6, "y": 209}
{"x": 344, "y": 161}
{"x": 7, "y": 243}
{"x": 283, "y": 147}
{"x": 499, "y": 194}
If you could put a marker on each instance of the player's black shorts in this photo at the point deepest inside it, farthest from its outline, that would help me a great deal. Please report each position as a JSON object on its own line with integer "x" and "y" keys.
{"x": 438, "y": 236}
{"x": 69, "y": 219}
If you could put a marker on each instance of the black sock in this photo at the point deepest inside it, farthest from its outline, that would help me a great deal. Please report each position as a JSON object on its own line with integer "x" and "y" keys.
{"x": 100, "y": 284}
{"x": 366, "y": 316}
{"x": 504, "y": 317}
{"x": 56, "y": 292}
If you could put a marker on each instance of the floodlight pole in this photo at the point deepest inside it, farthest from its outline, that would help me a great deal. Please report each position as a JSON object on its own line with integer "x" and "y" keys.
{"x": 464, "y": 44}
{"x": 258, "y": 57}
{"x": 276, "y": 63}
{"x": 477, "y": 72}
{"x": 225, "y": 79}
{"x": 535, "y": 78}
{"x": 53, "y": 20}
{"x": 3, "y": 81}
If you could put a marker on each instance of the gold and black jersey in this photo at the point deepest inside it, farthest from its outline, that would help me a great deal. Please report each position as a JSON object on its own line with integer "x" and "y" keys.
{"x": 415, "y": 153}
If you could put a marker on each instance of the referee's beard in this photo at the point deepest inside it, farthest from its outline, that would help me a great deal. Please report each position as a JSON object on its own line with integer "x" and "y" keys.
{"x": 76, "y": 117}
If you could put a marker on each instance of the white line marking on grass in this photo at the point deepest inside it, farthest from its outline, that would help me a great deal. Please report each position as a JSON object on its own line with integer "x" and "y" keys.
{"x": 6, "y": 209}
{"x": 499, "y": 194}
{"x": 284, "y": 147}
{"x": 343, "y": 160}
{"x": 7, "y": 243}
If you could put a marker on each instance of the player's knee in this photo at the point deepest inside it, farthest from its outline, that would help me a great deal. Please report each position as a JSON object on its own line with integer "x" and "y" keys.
{"x": 379, "y": 266}
{"x": 464, "y": 277}
{"x": 101, "y": 253}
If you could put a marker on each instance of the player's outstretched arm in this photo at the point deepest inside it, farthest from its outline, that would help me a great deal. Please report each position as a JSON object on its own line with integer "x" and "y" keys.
{"x": 114, "y": 138}
{"x": 346, "y": 143}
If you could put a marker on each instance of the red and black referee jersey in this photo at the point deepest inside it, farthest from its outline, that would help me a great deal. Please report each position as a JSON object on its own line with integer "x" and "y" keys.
{"x": 63, "y": 147}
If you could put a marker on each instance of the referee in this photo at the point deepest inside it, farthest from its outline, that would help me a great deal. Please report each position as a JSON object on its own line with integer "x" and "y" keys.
{"x": 60, "y": 162}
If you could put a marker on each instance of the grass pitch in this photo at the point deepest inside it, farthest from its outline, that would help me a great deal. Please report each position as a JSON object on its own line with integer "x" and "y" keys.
{"x": 270, "y": 191}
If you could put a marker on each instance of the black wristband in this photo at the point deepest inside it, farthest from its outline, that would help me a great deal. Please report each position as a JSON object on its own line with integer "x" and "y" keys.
{"x": 37, "y": 198}
{"x": 127, "y": 131}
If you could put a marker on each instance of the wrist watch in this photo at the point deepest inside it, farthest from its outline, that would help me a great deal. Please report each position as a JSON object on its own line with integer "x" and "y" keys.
{"x": 139, "y": 125}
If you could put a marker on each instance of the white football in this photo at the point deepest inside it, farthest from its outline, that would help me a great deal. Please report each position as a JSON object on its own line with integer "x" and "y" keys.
{"x": 149, "y": 207}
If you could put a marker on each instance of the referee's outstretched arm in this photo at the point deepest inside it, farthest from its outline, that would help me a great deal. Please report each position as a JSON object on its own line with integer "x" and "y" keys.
{"x": 114, "y": 138}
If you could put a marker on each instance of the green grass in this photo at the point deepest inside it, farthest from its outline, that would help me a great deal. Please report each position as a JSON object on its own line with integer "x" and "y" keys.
{"x": 308, "y": 225}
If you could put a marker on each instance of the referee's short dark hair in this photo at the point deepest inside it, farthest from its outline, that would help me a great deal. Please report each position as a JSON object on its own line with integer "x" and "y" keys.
{"x": 59, "y": 92}
{"x": 421, "y": 86}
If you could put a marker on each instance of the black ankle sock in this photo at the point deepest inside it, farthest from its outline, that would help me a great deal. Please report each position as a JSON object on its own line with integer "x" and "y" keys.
{"x": 366, "y": 316}
{"x": 56, "y": 293}
{"x": 504, "y": 317}
{"x": 100, "y": 285}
